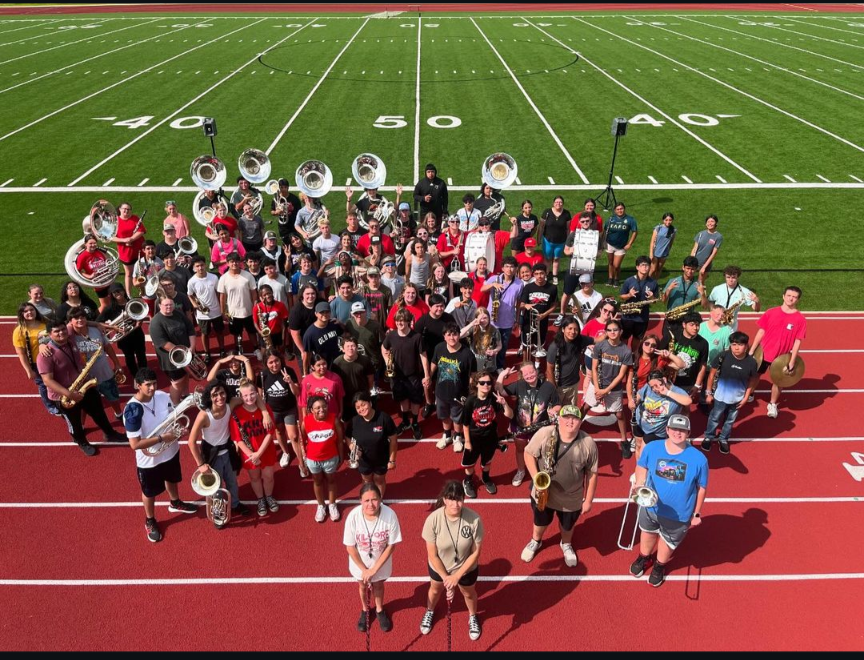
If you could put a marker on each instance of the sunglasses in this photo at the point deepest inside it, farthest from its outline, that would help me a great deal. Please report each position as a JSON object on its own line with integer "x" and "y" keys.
{"x": 649, "y": 343}
{"x": 613, "y": 329}
{"x": 484, "y": 382}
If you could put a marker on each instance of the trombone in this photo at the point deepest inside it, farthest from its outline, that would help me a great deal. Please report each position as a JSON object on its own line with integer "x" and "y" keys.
{"x": 643, "y": 496}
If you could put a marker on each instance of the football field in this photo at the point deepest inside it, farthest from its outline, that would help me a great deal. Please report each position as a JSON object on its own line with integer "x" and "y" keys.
{"x": 754, "y": 117}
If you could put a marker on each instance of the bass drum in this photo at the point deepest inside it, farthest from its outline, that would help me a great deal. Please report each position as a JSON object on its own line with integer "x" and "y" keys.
{"x": 478, "y": 245}
{"x": 586, "y": 245}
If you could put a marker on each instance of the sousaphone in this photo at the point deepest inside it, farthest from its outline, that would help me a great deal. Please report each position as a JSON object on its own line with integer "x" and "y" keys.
{"x": 313, "y": 178}
{"x": 208, "y": 172}
{"x": 254, "y": 165}
{"x": 499, "y": 171}
{"x": 369, "y": 171}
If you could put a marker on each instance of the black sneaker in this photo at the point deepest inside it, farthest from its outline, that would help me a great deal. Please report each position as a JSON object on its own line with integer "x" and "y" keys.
{"x": 658, "y": 575}
{"x": 474, "y": 630}
{"x": 642, "y": 564}
{"x": 724, "y": 446}
{"x": 262, "y": 507}
{"x": 490, "y": 486}
{"x": 470, "y": 489}
{"x": 427, "y": 411}
{"x": 361, "y": 622}
{"x": 153, "y": 533}
{"x": 418, "y": 432}
{"x": 179, "y": 506}
{"x": 403, "y": 426}
{"x": 626, "y": 452}
{"x": 240, "y": 510}
{"x": 88, "y": 449}
{"x": 384, "y": 621}
{"x": 114, "y": 436}
{"x": 706, "y": 444}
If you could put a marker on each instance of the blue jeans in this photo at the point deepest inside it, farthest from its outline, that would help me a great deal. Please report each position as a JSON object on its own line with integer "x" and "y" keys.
{"x": 50, "y": 405}
{"x": 502, "y": 354}
{"x": 731, "y": 410}
{"x": 222, "y": 465}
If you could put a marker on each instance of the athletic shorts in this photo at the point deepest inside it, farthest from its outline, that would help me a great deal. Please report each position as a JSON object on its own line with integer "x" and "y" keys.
{"x": 288, "y": 418}
{"x": 468, "y": 580}
{"x": 646, "y": 437}
{"x": 485, "y": 452}
{"x": 103, "y": 292}
{"x": 327, "y": 467}
{"x": 238, "y": 325}
{"x": 618, "y": 252}
{"x": 451, "y": 410}
{"x": 571, "y": 284}
{"x": 672, "y": 531}
{"x": 763, "y": 367}
{"x": 409, "y": 388}
{"x": 365, "y": 468}
{"x": 566, "y": 519}
{"x": 175, "y": 375}
{"x": 552, "y": 250}
{"x": 217, "y": 325}
{"x": 109, "y": 389}
{"x": 153, "y": 479}
{"x": 613, "y": 401}
{"x": 632, "y": 328}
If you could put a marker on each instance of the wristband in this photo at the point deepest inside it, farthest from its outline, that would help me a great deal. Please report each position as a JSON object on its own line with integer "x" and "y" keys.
{"x": 697, "y": 515}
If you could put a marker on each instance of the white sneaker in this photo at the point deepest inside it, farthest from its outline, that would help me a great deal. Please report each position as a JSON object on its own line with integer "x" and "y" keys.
{"x": 458, "y": 445}
{"x": 772, "y": 410}
{"x": 530, "y": 550}
{"x": 334, "y": 512}
{"x": 750, "y": 398}
{"x": 320, "y": 513}
{"x": 570, "y": 557}
{"x": 558, "y": 320}
{"x": 518, "y": 478}
{"x": 284, "y": 461}
{"x": 443, "y": 442}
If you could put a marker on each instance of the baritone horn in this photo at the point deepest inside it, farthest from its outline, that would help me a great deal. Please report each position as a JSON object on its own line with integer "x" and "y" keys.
{"x": 369, "y": 171}
{"x": 209, "y": 485}
{"x": 135, "y": 310}
{"x": 643, "y": 496}
{"x": 177, "y": 424}
{"x": 186, "y": 245}
{"x": 208, "y": 172}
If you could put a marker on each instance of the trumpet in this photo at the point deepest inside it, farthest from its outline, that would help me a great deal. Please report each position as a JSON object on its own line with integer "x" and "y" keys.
{"x": 678, "y": 313}
{"x": 183, "y": 357}
{"x": 177, "y": 424}
{"x": 643, "y": 496}
{"x": 135, "y": 310}
{"x": 354, "y": 455}
{"x": 636, "y": 307}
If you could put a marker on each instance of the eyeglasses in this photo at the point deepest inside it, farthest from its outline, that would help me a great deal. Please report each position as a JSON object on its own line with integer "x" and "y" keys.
{"x": 484, "y": 383}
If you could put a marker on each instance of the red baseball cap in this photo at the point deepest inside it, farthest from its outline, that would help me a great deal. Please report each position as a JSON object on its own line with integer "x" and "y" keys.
{"x": 530, "y": 242}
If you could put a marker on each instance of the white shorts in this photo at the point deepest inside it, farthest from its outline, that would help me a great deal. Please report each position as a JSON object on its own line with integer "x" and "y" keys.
{"x": 612, "y": 402}
{"x": 618, "y": 252}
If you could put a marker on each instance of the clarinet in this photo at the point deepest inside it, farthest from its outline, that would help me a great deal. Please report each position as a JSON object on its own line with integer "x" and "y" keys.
{"x": 557, "y": 371}
{"x": 243, "y": 435}
{"x": 634, "y": 384}
{"x": 717, "y": 375}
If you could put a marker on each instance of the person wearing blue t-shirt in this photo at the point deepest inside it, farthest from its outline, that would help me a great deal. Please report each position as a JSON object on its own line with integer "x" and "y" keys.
{"x": 661, "y": 244}
{"x": 620, "y": 234}
{"x": 657, "y": 402}
{"x": 678, "y": 474}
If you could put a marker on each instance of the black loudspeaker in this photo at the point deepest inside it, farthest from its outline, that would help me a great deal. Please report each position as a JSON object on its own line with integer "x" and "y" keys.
{"x": 210, "y": 127}
{"x": 619, "y": 126}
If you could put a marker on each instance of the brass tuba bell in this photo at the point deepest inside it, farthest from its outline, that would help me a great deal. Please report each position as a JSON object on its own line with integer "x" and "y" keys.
{"x": 369, "y": 171}
{"x": 313, "y": 178}
{"x": 499, "y": 171}
{"x": 208, "y": 172}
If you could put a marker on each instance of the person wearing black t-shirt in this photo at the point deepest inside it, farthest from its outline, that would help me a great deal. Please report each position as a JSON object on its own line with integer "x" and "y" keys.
{"x": 693, "y": 349}
{"x": 480, "y": 424}
{"x": 133, "y": 344}
{"x": 452, "y": 364}
{"x": 564, "y": 359}
{"x": 375, "y": 435}
{"x": 357, "y": 375}
{"x": 411, "y": 371}
{"x": 301, "y": 316}
{"x": 278, "y": 386}
{"x": 638, "y": 288}
{"x": 539, "y": 296}
{"x": 554, "y": 227}
{"x": 230, "y": 371}
{"x": 284, "y": 206}
{"x": 322, "y": 337}
{"x": 430, "y": 326}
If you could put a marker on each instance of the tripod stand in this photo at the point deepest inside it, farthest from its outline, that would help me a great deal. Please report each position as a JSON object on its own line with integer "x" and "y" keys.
{"x": 619, "y": 129}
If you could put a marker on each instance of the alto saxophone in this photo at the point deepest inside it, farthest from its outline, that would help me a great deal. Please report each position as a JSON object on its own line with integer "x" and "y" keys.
{"x": 390, "y": 371}
{"x": 543, "y": 478}
{"x": 636, "y": 307}
{"x": 678, "y": 313}
{"x": 81, "y": 384}
{"x": 496, "y": 303}
{"x": 265, "y": 333}
{"x": 729, "y": 314}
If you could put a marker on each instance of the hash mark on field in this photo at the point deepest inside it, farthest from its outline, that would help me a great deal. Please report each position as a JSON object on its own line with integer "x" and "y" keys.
{"x": 823, "y": 178}
{"x": 686, "y": 179}
{"x": 449, "y": 181}
{"x": 177, "y": 182}
{"x": 551, "y": 180}
{"x": 789, "y": 178}
{"x": 11, "y": 180}
{"x": 143, "y": 182}
{"x": 39, "y": 183}
{"x": 851, "y": 176}
{"x": 108, "y": 182}
{"x": 721, "y": 179}
{"x": 652, "y": 179}
{"x": 619, "y": 180}
{"x": 348, "y": 181}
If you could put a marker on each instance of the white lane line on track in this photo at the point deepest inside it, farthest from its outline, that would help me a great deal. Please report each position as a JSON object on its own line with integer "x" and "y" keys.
{"x": 536, "y": 109}
{"x": 312, "y": 93}
{"x": 120, "y": 82}
{"x": 424, "y": 579}
{"x": 184, "y": 106}
{"x": 730, "y": 87}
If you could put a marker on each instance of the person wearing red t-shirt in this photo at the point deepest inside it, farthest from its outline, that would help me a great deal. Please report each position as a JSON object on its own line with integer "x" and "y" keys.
{"x": 596, "y": 220}
{"x": 321, "y": 382}
{"x": 502, "y": 240}
{"x": 479, "y": 277}
{"x": 88, "y": 264}
{"x": 451, "y": 245}
{"x": 325, "y": 451}
{"x": 130, "y": 240}
{"x": 363, "y": 244}
{"x": 530, "y": 255}
{"x": 652, "y": 357}
{"x": 596, "y": 329}
{"x": 222, "y": 218}
{"x": 410, "y": 300}
{"x": 272, "y": 314}
{"x": 781, "y": 331}
{"x": 255, "y": 445}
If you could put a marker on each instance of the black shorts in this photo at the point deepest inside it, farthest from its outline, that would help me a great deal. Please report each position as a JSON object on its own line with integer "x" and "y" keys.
{"x": 631, "y": 328}
{"x": 408, "y": 388}
{"x": 176, "y": 374}
{"x": 566, "y": 519}
{"x": 153, "y": 479}
{"x": 646, "y": 437}
{"x": 468, "y": 580}
{"x": 571, "y": 284}
{"x": 128, "y": 263}
{"x": 238, "y": 325}
{"x": 275, "y": 338}
{"x": 484, "y": 450}
{"x": 764, "y": 366}
{"x": 103, "y": 292}
{"x": 217, "y": 325}
{"x": 365, "y": 468}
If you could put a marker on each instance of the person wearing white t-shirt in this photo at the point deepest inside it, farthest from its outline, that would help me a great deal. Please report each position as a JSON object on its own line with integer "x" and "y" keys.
{"x": 732, "y": 294}
{"x": 371, "y": 533}
{"x": 202, "y": 292}
{"x": 586, "y": 299}
{"x": 238, "y": 294}
{"x": 277, "y": 282}
{"x": 142, "y": 416}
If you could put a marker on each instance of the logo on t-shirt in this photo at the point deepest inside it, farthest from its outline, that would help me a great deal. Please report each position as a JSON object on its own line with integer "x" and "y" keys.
{"x": 671, "y": 470}
{"x": 465, "y": 532}
{"x": 483, "y": 416}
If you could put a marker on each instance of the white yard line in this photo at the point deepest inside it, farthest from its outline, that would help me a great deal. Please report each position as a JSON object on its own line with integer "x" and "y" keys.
{"x": 121, "y": 82}
{"x": 72, "y": 43}
{"x": 314, "y": 89}
{"x": 46, "y": 35}
{"x": 668, "y": 117}
{"x": 732, "y": 88}
{"x": 69, "y": 66}
{"x": 824, "y": 27}
{"x": 28, "y": 27}
{"x": 755, "y": 59}
{"x": 813, "y": 36}
{"x": 775, "y": 43}
{"x": 417, "y": 106}
{"x": 534, "y": 107}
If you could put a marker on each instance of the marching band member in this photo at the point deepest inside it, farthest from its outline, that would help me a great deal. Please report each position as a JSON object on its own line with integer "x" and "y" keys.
{"x": 181, "y": 300}
{"x": 523, "y": 228}
{"x": 239, "y": 198}
{"x": 569, "y": 456}
{"x": 705, "y": 246}
{"x": 540, "y": 297}
{"x": 168, "y": 242}
{"x": 653, "y": 405}
{"x": 463, "y": 309}
{"x": 275, "y": 280}
{"x": 637, "y": 288}
{"x": 306, "y": 275}
{"x": 508, "y": 292}
{"x": 479, "y": 276}
{"x": 678, "y": 473}
{"x": 554, "y": 227}
{"x": 369, "y": 201}
{"x": 733, "y": 376}
{"x": 88, "y": 340}
{"x": 454, "y": 537}
{"x": 434, "y": 228}
{"x": 149, "y": 265}
{"x": 224, "y": 247}
{"x": 179, "y": 274}
{"x": 72, "y": 297}
{"x": 693, "y": 350}
{"x": 310, "y": 208}
{"x": 285, "y": 209}
{"x": 565, "y": 358}
{"x": 367, "y": 333}
{"x": 177, "y": 220}
{"x": 26, "y": 340}
{"x": 661, "y": 244}
{"x": 370, "y": 553}
{"x": 621, "y": 232}
{"x": 431, "y": 193}
{"x": 354, "y": 229}
{"x": 404, "y": 225}
{"x": 271, "y": 314}
{"x": 229, "y": 371}
{"x": 488, "y": 198}
{"x": 325, "y": 451}
{"x": 279, "y": 389}
{"x": 301, "y": 316}
{"x": 781, "y": 330}
{"x": 451, "y": 244}
{"x": 586, "y": 298}
{"x": 596, "y": 220}
{"x": 326, "y": 247}
{"x": 376, "y": 296}
{"x": 529, "y": 254}
{"x": 409, "y": 300}
{"x": 467, "y": 216}
{"x": 451, "y": 366}
{"x": 217, "y": 452}
{"x": 403, "y": 351}
{"x": 439, "y": 283}
{"x": 392, "y": 280}
{"x": 129, "y": 240}
{"x": 731, "y": 294}
{"x": 270, "y": 251}
{"x": 536, "y": 400}
{"x": 45, "y": 306}
{"x": 223, "y": 218}
{"x": 201, "y": 290}
{"x": 238, "y": 294}
{"x": 500, "y": 238}
{"x": 582, "y": 246}
{"x": 144, "y": 413}
{"x": 340, "y": 306}
{"x": 356, "y": 373}
{"x": 133, "y": 345}
{"x": 89, "y": 262}
{"x": 685, "y": 288}
{"x": 251, "y": 228}
{"x": 480, "y": 424}
{"x": 715, "y": 333}
{"x": 431, "y": 326}
{"x": 418, "y": 266}
{"x": 484, "y": 340}
{"x": 375, "y": 436}
{"x": 322, "y": 337}
{"x": 610, "y": 362}
{"x": 323, "y": 383}
{"x": 651, "y": 358}
{"x": 170, "y": 328}
{"x": 524, "y": 274}
{"x": 365, "y": 240}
